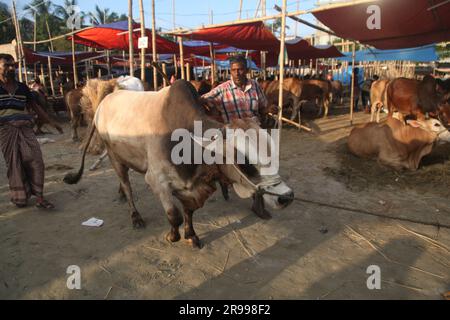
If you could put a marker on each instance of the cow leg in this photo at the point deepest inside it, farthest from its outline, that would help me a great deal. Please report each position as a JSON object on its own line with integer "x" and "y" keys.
{"x": 189, "y": 232}
{"x": 326, "y": 105}
{"x": 161, "y": 189}
{"x": 379, "y": 112}
{"x": 225, "y": 192}
{"x": 122, "y": 173}
{"x": 373, "y": 109}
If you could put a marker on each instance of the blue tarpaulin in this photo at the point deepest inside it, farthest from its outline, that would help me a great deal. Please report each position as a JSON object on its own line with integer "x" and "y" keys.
{"x": 419, "y": 54}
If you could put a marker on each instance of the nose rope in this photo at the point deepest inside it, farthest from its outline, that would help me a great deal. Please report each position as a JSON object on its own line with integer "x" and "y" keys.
{"x": 261, "y": 192}
{"x": 259, "y": 188}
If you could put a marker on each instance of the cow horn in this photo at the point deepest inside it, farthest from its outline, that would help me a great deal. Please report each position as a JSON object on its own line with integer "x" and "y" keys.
{"x": 427, "y": 116}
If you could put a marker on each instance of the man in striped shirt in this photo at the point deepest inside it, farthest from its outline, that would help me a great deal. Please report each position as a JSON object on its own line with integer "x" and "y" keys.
{"x": 18, "y": 142}
{"x": 239, "y": 98}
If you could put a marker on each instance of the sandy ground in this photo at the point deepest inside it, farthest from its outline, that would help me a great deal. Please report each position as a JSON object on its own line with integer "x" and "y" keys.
{"x": 305, "y": 252}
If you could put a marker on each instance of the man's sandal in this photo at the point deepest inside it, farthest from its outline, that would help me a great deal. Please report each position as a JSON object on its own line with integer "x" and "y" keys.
{"x": 44, "y": 204}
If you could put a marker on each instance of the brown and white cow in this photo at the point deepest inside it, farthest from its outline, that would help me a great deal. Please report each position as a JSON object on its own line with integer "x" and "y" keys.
{"x": 414, "y": 98}
{"x": 139, "y": 137}
{"x": 378, "y": 98}
{"x": 396, "y": 144}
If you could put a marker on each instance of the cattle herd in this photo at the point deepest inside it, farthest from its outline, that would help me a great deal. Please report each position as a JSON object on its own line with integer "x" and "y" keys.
{"x": 418, "y": 119}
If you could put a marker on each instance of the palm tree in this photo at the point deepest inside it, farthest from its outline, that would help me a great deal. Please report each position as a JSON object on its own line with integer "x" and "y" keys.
{"x": 7, "y": 31}
{"x": 103, "y": 16}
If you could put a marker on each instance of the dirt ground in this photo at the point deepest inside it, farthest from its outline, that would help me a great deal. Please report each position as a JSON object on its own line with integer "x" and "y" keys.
{"x": 305, "y": 252}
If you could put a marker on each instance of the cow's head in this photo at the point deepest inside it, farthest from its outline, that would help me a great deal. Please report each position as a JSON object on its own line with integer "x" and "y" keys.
{"x": 254, "y": 172}
{"x": 433, "y": 126}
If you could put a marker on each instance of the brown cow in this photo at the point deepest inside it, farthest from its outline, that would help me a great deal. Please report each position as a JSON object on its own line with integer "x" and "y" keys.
{"x": 414, "y": 98}
{"x": 378, "y": 98}
{"x": 202, "y": 87}
{"x": 72, "y": 100}
{"x": 295, "y": 93}
{"x": 395, "y": 143}
{"x": 337, "y": 90}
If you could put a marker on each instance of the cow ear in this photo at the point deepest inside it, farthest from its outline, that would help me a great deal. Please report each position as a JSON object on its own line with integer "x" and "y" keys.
{"x": 413, "y": 123}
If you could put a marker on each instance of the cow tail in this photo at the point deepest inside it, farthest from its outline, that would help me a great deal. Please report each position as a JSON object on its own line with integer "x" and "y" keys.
{"x": 72, "y": 178}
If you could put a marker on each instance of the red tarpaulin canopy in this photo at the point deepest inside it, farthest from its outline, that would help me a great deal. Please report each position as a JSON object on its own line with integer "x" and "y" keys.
{"x": 114, "y": 36}
{"x": 248, "y": 36}
{"x": 301, "y": 49}
{"x": 256, "y": 36}
{"x": 404, "y": 23}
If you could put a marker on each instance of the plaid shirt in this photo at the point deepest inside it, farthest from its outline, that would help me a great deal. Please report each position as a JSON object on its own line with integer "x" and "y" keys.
{"x": 233, "y": 103}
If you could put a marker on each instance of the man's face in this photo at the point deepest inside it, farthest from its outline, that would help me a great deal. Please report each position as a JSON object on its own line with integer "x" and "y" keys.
{"x": 239, "y": 73}
{"x": 7, "y": 68}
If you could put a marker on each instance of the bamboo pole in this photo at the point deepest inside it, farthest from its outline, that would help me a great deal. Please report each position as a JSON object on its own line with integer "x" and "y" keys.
{"x": 19, "y": 48}
{"x": 142, "y": 18}
{"x": 50, "y": 72}
{"x": 352, "y": 95}
{"x": 165, "y": 72}
{"x": 183, "y": 76}
{"x": 74, "y": 64}
{"x": 52, "y": 49}
{"x": 43, "y": 77}
{"x": 188, "y": 72}
{"x": 34, "y": 40}
{"x": 240, "y": 10}
{"x": 130, "y": 36}
{"x": 155, "y": 58}
{"x": 213, "y": 68}
{"x": 281, "y": 63}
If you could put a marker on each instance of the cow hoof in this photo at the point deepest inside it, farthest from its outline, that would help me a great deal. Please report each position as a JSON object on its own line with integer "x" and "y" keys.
{"x": 171, "y": 237}
{"x": 138, "y": 223}
{"x": 194, "y": 242}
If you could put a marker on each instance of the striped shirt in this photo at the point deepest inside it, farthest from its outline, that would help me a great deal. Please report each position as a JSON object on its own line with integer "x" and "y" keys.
{"x": 13, "y": 106}
{"x": 235, "y": 103}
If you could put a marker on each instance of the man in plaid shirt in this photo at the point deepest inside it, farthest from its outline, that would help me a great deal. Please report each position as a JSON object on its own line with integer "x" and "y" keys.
{"x": 239, "y": 98}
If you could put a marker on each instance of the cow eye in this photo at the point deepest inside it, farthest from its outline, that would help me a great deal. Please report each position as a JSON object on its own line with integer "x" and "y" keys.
{"x": 437, "y": 125}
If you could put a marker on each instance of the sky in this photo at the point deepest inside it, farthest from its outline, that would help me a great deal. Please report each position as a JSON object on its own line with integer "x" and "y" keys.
{"x": 194, "y": 13}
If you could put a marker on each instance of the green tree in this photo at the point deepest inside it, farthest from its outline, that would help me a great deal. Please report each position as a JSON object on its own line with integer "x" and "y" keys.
{"x": 103, "y": 16}
{"x": 7, "y": 32}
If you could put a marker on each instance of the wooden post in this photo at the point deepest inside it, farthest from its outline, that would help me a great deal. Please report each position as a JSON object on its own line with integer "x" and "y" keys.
{"x": 86, "y": 64}
{"x": 188, "y": 72}
{"x": 155, "y": 58}
{"x": 164, "y": 79}
{"x": 352, "y": 94}
{"x": 34, "y": 40}
{"x": 213, "y": 68}
{"x": 281, "y": 62}
{"x": 74, "y": 63}
{"x": 108, "y": 63}
{"x": 130, "y": 36}
{"x": 50, "y": 72}
{"x": 43, "y": 77}
{"x": 183, "y": 76}
{"x": 240, "y": 10}
{"x": 52, "y": 49}
{"x": 142, "y": 17}
{"x": 18, "y": 42}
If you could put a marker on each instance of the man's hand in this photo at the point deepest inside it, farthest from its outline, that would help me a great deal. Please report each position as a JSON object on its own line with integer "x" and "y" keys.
{"x": 45, "y": 117}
